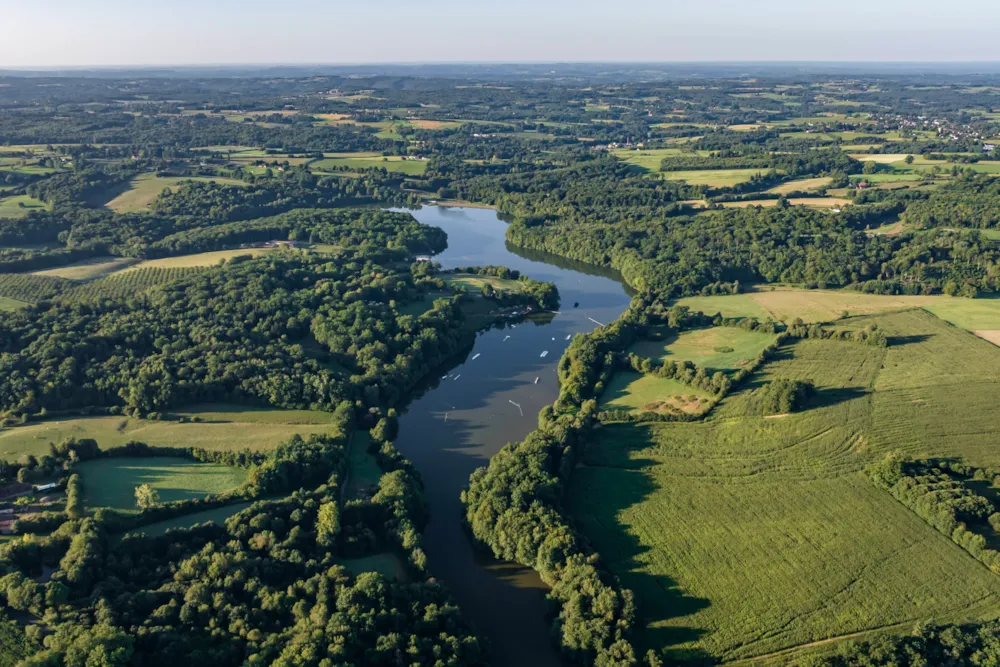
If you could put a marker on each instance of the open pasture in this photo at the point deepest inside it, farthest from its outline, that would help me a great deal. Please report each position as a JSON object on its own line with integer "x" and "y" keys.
{"x": 744, "y": 536}
{"x": 201, "y": 259}
{"x": 217, "y": 516}
{"x": 111, "y": 482}
{"x": 475, "y": 283}
{"x": 20, "y": 206}
{"x": 827, "y": 305}
{"x": 90, "y": 269}
{"x": 247, "y": 431}
{"x": 713, "y": 178}
{"x": 396, "y": 163}
{"x": 715, "y": 348}
{"x": 145, "y": 189}
{"x": 636, "y": 392}
{"x": 801, "y": 185}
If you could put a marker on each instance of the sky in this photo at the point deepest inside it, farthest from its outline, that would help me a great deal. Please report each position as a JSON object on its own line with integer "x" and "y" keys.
{"x": 60, "y": 33}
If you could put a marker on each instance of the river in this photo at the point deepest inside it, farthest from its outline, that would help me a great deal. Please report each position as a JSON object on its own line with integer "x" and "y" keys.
{"x": 490, "y": 398}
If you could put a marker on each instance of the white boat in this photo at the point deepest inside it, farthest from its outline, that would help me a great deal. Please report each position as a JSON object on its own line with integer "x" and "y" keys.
{"x": 545, "y": 354}
{"x": 476, "y": 356}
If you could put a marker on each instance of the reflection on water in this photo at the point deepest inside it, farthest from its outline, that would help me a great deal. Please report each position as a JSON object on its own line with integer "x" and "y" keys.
{"x": 458, "y": 423}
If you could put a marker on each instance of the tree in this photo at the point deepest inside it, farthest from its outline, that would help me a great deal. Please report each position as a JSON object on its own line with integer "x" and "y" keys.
{"x": 146, "y": 496}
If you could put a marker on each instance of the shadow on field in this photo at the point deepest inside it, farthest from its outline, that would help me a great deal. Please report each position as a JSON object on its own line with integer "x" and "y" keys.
{"x": 661, "y": 603}
{"x": 898, "y": 341}
{"x": 829, "y": 396}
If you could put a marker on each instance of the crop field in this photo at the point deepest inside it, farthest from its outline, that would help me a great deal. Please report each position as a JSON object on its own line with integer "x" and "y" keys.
{"x": 126, "y": 283}
{"x": 743, "y": 536}
{"x": 197, "y": 260}
{"x": 217, "y": 515}
{"x": 713, "y": 178}
{"x": 28, "y": 288}
{"x": 90, "y": 269}
{"x": 112, "y": 482}
{"x": 716, "y": 348}
{"x": 882, "y": 158}
{"x": 255, "y": 431}
{"x": 635, "y": 392}
{"x": 828, "y": 305}
{"x": 394, "y": 163}
{"x": 475, "y": 283}
{"x": 20, "y": 206}
{"x": 144, "y": 190}
{"x": 801, "y": 185}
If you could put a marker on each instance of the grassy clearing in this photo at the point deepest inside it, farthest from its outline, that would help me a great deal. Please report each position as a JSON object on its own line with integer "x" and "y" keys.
{"x": 202, "y": 259}
{"x": 636, "y": 392}
{"x": 8, "y": 304}
{"x": 112, "y": 482}
{"x": 744, "y": 535}
{"x": 363, "y": 472}
{"x": 716, "y": 348}
{"x": 144, "y": 190}
{"x": 881, "y": 158}
{"x": 735, "y": 305}
{"x": 828, "y": 305}
{"x": 475, "y": 283}
{"x": 713, "y": 178}
{"x": 258, "y": 430}
{"x": 20, "y": 206}
{"x": 387, "y": 564}
{"x": 801, "y": 185}
{"x": 815, "y": 202}
{"x": 649, "y": 159}
{"x": 396, "y": 163}
{"x": 217, "y": 515}
{"x": 91, "y": 269}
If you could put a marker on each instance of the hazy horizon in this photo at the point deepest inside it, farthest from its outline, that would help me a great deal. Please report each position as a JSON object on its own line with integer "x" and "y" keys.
{"x": 117, "y": 33}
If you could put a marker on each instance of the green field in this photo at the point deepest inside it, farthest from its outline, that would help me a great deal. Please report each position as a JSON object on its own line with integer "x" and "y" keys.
{"x": 649, "y": 159}
{"x": 716, "y": 348}
{"x": 386, "y": 564}
{"x": 217, "y": 515}
{"x": 474, "y": 283}
{"x": 90, "y": 269}
{"x": 636, "y": 392}
{"x": 409, "y": 167}
{"x": 6, "y": 303}
{"x": 20, "y": 206}
{"x": 743, "y": 536}
{"x": 143, "y": 190}
{"x": 259, "y": 430}
{"x": 363, "y": 471}
{"x": 801, "y": 185}
{"x": 735, "y": 305}
{"x": 201, "y": 259}
{"x": 112, "y": 482}
{"x": 828, "y": 305}
{"x": 713, "y": 178}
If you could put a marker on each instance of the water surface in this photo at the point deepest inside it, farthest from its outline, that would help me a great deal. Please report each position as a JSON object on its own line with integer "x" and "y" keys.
{"x": 461, "y": 421}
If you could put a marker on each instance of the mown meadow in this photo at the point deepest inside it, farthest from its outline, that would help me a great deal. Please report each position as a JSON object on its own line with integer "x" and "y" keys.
{"x": 746, "y": 536}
